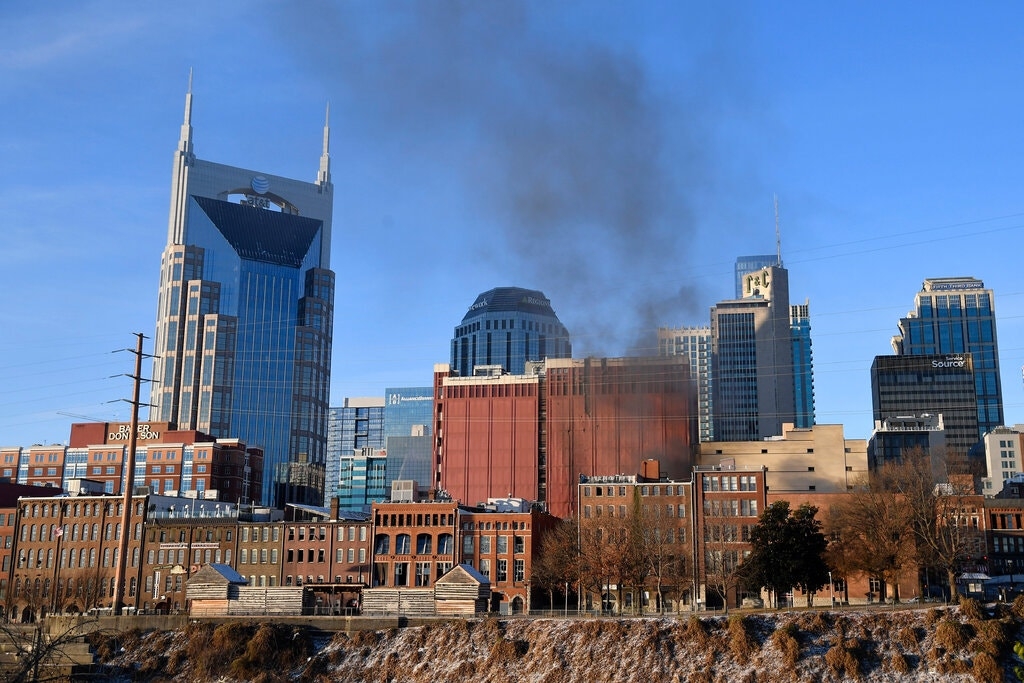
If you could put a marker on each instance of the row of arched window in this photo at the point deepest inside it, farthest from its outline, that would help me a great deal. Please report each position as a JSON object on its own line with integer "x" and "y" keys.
{"x": 403, "y": 544}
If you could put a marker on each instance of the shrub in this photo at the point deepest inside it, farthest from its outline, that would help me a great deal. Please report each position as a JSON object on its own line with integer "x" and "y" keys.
{"x": 1017, "y": 608}
{"x": 932, "y": 616}
{"x": 907, "y": 637}
{"x": 843, "y": 662}
{"x": 971, "y": 609}
{"x": 899, "y": 663}
{"x": 951, "y": 635}
{"x": 785, "y": 639}
{"x": 741, "y": 640}
{"x": 273, "y": 648}
{"x": 698, "y": 632}
{"x": 993, "y": 636}
{"x": 506, "y": 651}
{"x": 986, "y": 669}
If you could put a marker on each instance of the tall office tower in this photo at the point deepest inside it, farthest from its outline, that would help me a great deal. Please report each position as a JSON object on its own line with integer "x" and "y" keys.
{"x": 508, "y": 326}
{"x": 749, "y": 264}
{"x": 933, "y": 384}
{"x": 355, "y": 425}
{"x": 803, "y": 364}
{"x": 752, "y": 359}
{"x": 246, "y": 305}
{"x": 695, "y": 344}
{"x": 953, "y": 316}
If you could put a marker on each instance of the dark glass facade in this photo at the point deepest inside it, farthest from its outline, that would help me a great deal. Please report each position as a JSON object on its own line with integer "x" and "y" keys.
{"x": 508, "y": 326}
{"x": 803, "y": 365}
{"x": 957, "y": 316}
{"x": 245, "y": 312}
{"x": 936, "y": 384}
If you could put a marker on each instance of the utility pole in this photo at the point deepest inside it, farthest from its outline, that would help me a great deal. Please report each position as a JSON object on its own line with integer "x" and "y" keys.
{"x": 129, "y": 480}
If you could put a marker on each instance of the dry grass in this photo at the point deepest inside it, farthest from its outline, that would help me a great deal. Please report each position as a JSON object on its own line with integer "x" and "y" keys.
{"x": 952, "y": 635}
{"x": 741, "y": 638}
{"x": 993, "y": 637}
{"x": 698, "y": 632}
{"x": 785, "y": 639}
{"x": 843, "y": 660}
{"x": 908, "y": 638}
{"x": 802, "y": 647}
{"x": 1017, "y": 608}
{"x": 986, "y": 669}
{"x": 898, "y": 663}
{"x": 970, "y": 609}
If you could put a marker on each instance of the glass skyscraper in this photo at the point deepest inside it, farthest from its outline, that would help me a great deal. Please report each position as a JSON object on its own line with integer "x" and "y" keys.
{"x": 245, "y": 312}
{"x": 928, "y": 384}
{"x": 373, "y": 441}
{"x": 695, "y": 344}
{"x": 354, "y": 428}
{"x": 508, "y": 326}
{"x": 954, "y": 316}
{"x": 803, "y": 364}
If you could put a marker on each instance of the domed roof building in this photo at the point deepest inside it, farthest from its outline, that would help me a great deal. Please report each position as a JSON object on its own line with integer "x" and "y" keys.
{"x": 507, "y": 326}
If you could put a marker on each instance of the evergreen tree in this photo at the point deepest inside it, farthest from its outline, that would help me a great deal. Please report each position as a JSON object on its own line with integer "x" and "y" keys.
{"x": 788, "y": 550}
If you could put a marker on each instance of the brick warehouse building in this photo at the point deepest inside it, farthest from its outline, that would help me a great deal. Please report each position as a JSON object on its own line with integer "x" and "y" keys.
{"x": 532, "y": 436}
{"x": 414, "y": 544}
{"x": 330, "y": 553}
{"x": 167, "y": 460}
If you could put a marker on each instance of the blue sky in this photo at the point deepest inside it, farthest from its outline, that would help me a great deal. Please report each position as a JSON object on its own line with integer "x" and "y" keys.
{"x": 617, "y": 156}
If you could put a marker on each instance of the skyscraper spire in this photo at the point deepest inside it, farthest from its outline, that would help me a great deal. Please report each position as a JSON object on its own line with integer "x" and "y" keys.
{"x": 185, "y": 142}
{"x": 324, "y": 176}
{"x": 778, "y": 233}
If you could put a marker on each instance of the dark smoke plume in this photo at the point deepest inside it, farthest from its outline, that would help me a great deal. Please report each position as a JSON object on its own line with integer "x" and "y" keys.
{"x": 585, "y": 172}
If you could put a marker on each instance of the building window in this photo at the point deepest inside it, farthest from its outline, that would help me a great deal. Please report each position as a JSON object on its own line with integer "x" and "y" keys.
{"x": 402, "y": 545}
{"x": 423, "y": 545}
{"x": 519, "y": 570}
{"x": 382, "y": 544}
{"x": 422, "y": 573}
{"x": 502, "y": 570}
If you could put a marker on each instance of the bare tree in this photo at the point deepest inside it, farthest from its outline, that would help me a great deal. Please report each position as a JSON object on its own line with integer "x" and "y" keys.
{"x": 599, "y": 561}
{"x": 942, "y": 507}
{"x": 722, "y": 556}
{"x": 665, "y": 551}
{"x": 872, "y": 531}
{"x": 557, "y": 566}
{"x": 43, "y": 650}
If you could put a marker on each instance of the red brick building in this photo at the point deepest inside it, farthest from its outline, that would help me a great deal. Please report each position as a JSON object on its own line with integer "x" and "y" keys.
{"x": 607, "y": 415}
{"x": 167, "y": 460}
{"x": 532, "y": 436}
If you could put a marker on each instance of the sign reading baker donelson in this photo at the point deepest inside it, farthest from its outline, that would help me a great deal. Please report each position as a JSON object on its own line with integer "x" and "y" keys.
{"x": 124, "y": 432}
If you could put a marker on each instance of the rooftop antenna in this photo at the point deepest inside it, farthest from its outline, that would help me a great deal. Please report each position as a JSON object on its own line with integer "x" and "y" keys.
{"x": 778, "y": 233}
